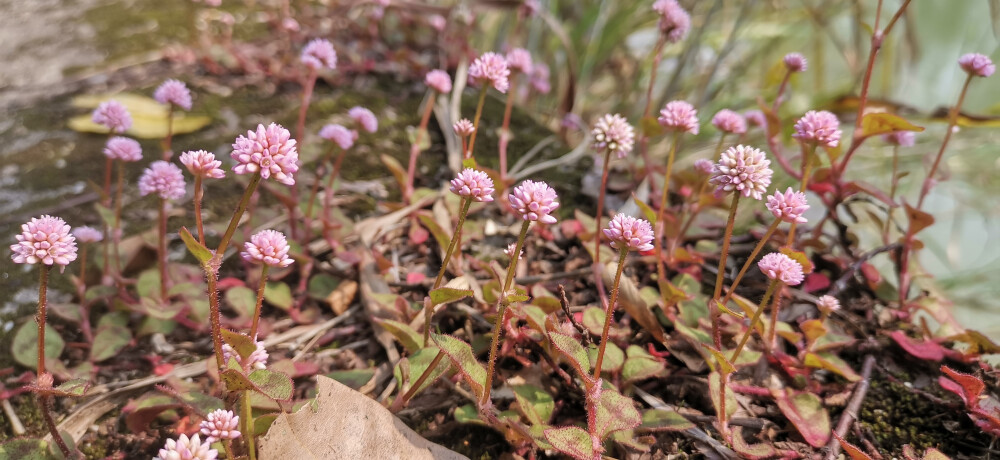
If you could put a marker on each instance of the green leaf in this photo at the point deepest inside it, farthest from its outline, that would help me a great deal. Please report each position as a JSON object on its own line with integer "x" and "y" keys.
{"x": 468, "y": 414}
{"x": 572, "y": 441}
{"x": 664, "y": 420}
{"x": 616, "y": 412}
{"x": 198, "y": 250}
{"x": 413, "y": 133}
{"x": 242, "y": 299}
{"x": 406, "y": 335}
{"x": 25, "y": 449}
{"x": 409, "y": 370}
{"x": 713, "y": 387}
{"x": 614, "y": 358}
{"x": 460, "y": 354}
{"x": 396, "y": 169}
{"x": 279, "y": 295}
{"x": 109, "y": 340}
{"x": 73, "y": 388}
{"x": 354, "y": 378}
{"x": 805, "y": 410}
{"x": 262, "y": 423}
{"x": 443, "y": 295}
{"x": 535, "y": 403}
{"x": 322, "y": 285}
{"x": 593, "y": 320}
{"x": 107, "y": 215}
{"x": 469, "y": 163}
{"x": 235, "y": 380}
{"x": 832, "y": 363}
{"x": 650, "y": 127}
{"x": 274, "y": 385}
{"x": 24, "y": 347}
{"x": 442, "y": 237}
{"x": 148, "y": 284}
{"x": 646, "y": 210}
{"x": 573, "y": 351}
{"x": 720, "y": 361}
{"x": 640, "y": 365}
{"x": 243, "y": 344}
{"x": 875, "y": 123}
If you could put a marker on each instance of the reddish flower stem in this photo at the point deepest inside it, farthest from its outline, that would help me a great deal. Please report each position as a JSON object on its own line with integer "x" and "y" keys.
{"x": 661, "y": 228}
{"x": 316, "y": 182}
{"x": 755, "y": 319}
{"x": 168, "y": 141}
{"x": 643, "y": 139}
{"x": 260, "y": 301}
{"x": 43, "y": 288}
{"x": 505, "y": 129}
{"x": 475, "y": 122}
{"x": 198, "y": 194}
{"x": 749, "y": 262}
{"x": 597, "y": 219}
{"x": 501, "y": 311}
{"x": 429, "y": 309}
{"x": 807, "y": 165}
{"x": 162, "y": 249}
{"x": 45, "y": 403}
{"x": 720, "y": 277}
{"x": 609, "y": 315}
{"x": 411, "y": 170}
{"x": 116, "y": 231}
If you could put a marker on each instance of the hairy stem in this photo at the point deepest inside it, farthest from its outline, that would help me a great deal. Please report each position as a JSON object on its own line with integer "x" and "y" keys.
{"x": 43, "y": 289}
{"x": 45, "y": 403}
{"x": 429, "y": 310}
{"x": 198, "y": 195}
{"x": 755, "y": 319}
{"x": 501, "y": 310}
{"x": 597, "y": 217}
{"x": 713, "y": 307}
{"x": 260, "y": 301}
{"x": 775, "y": 306}
{"x": 237, "y": 215}
{"x": 609, "y": 315}
{"x": 475, "y": 122}
{"x": 749, "y": 262}
{"x": 401, "y": 401}
{"x": 248, "y": 425}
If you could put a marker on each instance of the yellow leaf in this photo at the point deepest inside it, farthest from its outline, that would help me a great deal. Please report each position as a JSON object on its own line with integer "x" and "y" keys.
{"x": 873, "y": 124}
{"x": 149, "y": 118}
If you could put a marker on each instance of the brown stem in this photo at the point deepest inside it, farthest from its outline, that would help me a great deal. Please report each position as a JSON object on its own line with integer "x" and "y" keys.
{"x": 198, "y": 195}
{"x": 772, "y": 332}
{"x": 260, "y": 301}
{"x": 212, "y": 278}
{"x": 713, "y": 307}
{"x": 168, "y": 141}
{"x": 853, "y": 407}
{"x": 83, "y": 271}
{"x": 661, "y": 271}
{"x": 501, "y": 310}
{"x": 45, "y": 403}
{"x": 643, "y": 140}
{"x": 43, "y": 287}
{"x": 316, "y": 182}
{"x": 411, "y": 170}
{"x": 429, "y": 309}
{"x": 401, "y": 401}
{"x": 749, "y": 262}
{"x": 892, "y": 193}
{"x": 116, "y": 231}
{"x": 475, "y": 122}
{"x": 755, "y": 319}
{"x": 505, "y": 129}
{"x": 162, "y": 249}
{"x": 781, "y": 92}
{"x": 106, "y": 201}
{"x": 597, "y": 216}
{"x": 609, "y": 315}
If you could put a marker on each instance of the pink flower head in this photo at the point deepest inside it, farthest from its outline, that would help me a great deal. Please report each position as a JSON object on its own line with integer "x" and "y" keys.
{"x": 778, "y": 266}
{"x": 438, "y": 22}
{"x": 755, "y": 118}
{"x": 319, "y": 53}
{"x": 44, "y": 239}
{"x": 220, "y": 424}
{"x": 267, "y": 247}
{"x": 534, "y": 201}
{"x": 464, "y": 127}
{"x": 439, "y": 81}
{"x": 123, "y": 148}
{"x": 540, "y": 78}
{"x": 704, "y": 166}
{"x": 977, "y": 64}
{"x": 290, "y": 24}
{"x": 743, "y": 169}
{"x": 112, "y": 115}
{"x": 901, "y": 138}
{"x": 674, "y": 21}
{"x": 612, "y": 133}
{"x": 342, "y": 136}
{"x": 729, "y": 122}
{"x": 819, "y": 127}
{"x": 490, "y": 68}
{"x": 269, "y": 150}
{"x": 627, "y": 232}
{"x": 87, "y": 234}
{"x": 519, "y": 60}
{"x": 257, "y": 359}
{"x": 163, "y": 178}
{"x": 173, "y": 92}
{"x": 828, "y": 304}
{"x": 473, "y": 184}
{"x": 203, "y": 164}
{"x": 364, "y": 117}
{"x": 529, "y": 8}
{"x": 679, "y": 116}
{"x": 788, "y": 206}
{"x": 795, "y": 62}
{"x": 510, "y": 251}
{"x": 185, "y": 448}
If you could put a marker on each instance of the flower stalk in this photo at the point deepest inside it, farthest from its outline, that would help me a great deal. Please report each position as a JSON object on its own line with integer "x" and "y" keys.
{"x": 720, "y": 276}
{"x": 609, "y": 315}
{"x": 475, "y": 121}
{"x": 260, "y": 300}
{"x": 411, "y": 169}
{"x": 429, "y": 309}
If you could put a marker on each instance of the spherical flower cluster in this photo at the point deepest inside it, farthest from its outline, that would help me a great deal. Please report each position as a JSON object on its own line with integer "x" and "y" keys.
{"x": 473, "y": 184}
{"x": 319, "y": 53}
{"x": 627, "y": 232}
{"x": 490, "y": 68}
{"x": 788, "y": 206}
{"x": 977, "y": 64}
{"x": 87, "y": 234}
{"x": 464, "y": 127}
{"x": 743, "y": 169}
{"x": 819, "y": 127}
{"x": 679, "y": 116}
{"x": 364, "y": 117}
{"x": 439, "y": 81}
{"x": 674, "y": 21}
{"x": 704, "y": 166}
{"x": 612, "y": 133}
{"x": 173, "y": 92}
{"x": 901, "y": 138}
{"x": 540, "y": 78}
{"x": 44, "y": 240}
{"x": 755, "y": 118}
{"x": 510, "y": 251}
{"x": 112, "y": 115}
{"x": 163, "y": 178}
{"x": 795, "y": 62}
{"x": 437, "y": 22}
{"x": 269, "y": 150}
{"x": 202, "y": 164}
{"x": 729, "y": 122}
{"x": 534, "y": 201}
{"x": 340, "y": 135}
{"x": 220, "y": 424}
{"x": 267, "y": 247}
{"x": 828, "y": 304}
{"x": 187, "y": 449}
{"x": 123, "y": 148}
{"x": 778, "y": 266}
{"x": 256, "y": 360}
{"x": 519, "y": 60}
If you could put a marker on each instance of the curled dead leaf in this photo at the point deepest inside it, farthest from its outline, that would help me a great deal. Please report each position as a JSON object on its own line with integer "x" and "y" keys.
{"x": 341, "y": 297}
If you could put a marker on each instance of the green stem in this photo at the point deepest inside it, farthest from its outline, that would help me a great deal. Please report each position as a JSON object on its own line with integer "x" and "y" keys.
{"x": 609, "y": 315}
{"x": 237, "y": 215}
{"x": 501, "y": 310}
{"x": 749, "y": 262}
{"x": 475, "y": 122}
{"x": 755, "y": 319}
{"x": 714, "y": 308}
{"x": 429, "y": 309}
{"x": 248, "y": 425}
{"x": 401, "y": 401}
{"x": 260, "y": 301}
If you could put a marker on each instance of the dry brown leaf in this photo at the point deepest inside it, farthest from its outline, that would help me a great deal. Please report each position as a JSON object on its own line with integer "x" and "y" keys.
{"x": 372, "y": 283}
{"x": 345, "y": 424}
{"x": 341, "y": 297}
{"x": 630, "y": 299}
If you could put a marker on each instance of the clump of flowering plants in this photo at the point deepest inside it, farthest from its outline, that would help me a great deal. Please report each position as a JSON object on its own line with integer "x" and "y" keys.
{"x": 716, "y": 296}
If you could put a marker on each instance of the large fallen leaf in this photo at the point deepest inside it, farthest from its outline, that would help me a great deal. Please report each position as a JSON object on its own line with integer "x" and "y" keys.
{"x": 325, "y": 431}
{"x": 149, "y": 118}
{"x": 805, "y": 410}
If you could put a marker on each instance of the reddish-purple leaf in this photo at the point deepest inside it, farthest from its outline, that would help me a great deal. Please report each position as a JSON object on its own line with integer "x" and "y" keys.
{"x": 927, "y": 349}
{"x": 970, "y": 386}
{"x": 805, "y": 410}
{"x": 851, "y": 450}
